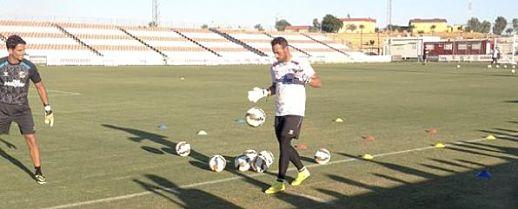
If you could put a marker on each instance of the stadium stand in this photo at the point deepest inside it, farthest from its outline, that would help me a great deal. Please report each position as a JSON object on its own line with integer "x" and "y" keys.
{"x": 113, "y": 44}
{"x": 228, "y": 50}
{"x": 69, "y": 43}
{"x": 173, "y": 46}
{"x": 43, "y": 40}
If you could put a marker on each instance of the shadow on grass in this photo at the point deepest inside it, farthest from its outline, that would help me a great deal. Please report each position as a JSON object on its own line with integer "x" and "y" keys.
{"x": 461, "y": 190}
{"x": 167, "y": 146}
{"x": 199, "y": 160}
{"x": 512, "y": 101}
{"x": 13, "y": 160}
{"x": 187, "y": 197}
{"x": 457, "y": 190}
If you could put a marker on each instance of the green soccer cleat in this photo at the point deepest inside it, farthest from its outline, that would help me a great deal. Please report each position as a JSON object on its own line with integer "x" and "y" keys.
{"x": 277, "y": 186}
{"x": 301, "y": 176}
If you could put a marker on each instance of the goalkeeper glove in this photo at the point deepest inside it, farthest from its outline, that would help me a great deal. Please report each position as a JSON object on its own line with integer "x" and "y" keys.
{"x": 49, "y": 116}
{"x": 257, "y": 93}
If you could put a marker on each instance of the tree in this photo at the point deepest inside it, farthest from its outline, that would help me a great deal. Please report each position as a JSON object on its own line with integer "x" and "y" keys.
{"x": 152, "y": 24}
{"x": 351, "y": 27}
{"x": 484, "y": 27}
{"x": 331, "y": 24}
{"x": 204, "y": 26}
{"x": 282, "y": 24}
{"x": 259, "y": 27}
{"x": 515, "y": 24}
{"x": 473, "y": 25}
{"x": 432, "y": 28}
{"x": 509, "y": 31}
{"x": 317, "y": 26}
{"x": 500, "y": 25}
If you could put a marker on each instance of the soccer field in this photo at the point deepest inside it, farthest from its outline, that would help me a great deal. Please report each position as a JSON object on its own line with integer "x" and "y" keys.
{"x": 106, "y": 149}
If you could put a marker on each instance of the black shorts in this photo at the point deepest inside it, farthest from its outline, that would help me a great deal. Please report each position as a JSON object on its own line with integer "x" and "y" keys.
{"x": 20, "y": 114}
{"x": 288, "y": 125}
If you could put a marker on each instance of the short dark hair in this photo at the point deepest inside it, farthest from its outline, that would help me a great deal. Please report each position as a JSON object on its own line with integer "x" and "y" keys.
{"x": 13, "y": 41}
{"x": 280, "y": 40}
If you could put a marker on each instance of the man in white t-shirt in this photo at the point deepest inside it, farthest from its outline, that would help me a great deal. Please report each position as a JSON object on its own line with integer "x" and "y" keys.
{"x": 289, "y": 79}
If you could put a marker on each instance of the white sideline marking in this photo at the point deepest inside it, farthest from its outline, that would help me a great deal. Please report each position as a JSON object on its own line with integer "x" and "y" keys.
{"x": 128, "y": 196}
{"x": 64, "y": 92}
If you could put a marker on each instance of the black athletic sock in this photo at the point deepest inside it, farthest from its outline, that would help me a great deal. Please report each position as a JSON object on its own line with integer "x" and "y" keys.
{"x": 38, "y": 170}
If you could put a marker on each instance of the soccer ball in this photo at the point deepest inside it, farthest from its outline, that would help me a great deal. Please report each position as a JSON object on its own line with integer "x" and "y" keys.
{"x": 497, "y": 66}
{"x": 250, "y": 153}
{"x": 242, "y": 163}
{"x": 268, "y": 156}
{"x": 505, "y": 66}
{"x": 489, "y": 66}
{"x": 260, "y": 164}
{"x": 255, "y": 117}
{"x": 513, "y": 71}
{"x": 458, "y": 66}
{"x": 322, "y": 156}
{"x": 183, "y": 149}
{"x": 217, "y": 163}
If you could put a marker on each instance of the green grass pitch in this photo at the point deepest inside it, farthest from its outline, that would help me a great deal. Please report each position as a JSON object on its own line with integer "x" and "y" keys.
{"x": 106, "y": 149}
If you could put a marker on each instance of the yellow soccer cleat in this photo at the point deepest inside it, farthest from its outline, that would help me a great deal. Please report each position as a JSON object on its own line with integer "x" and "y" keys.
{"x": 276, "y": 187}
{"x": 301, "y": 176}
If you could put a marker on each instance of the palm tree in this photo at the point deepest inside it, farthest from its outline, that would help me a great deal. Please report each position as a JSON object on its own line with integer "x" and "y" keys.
{"x": 432, "y": 28}
{"x": 411, "y": 29}
{"x": 351, "y": 27}
{"x": 361, "y": 36}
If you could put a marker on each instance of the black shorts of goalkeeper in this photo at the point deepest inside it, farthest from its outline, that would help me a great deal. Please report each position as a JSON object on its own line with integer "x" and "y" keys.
{"x": 20, "y": 114}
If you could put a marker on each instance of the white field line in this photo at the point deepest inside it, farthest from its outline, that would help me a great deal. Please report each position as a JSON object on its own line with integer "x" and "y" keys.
{"x": 64, "y": 92}
{"x": 128, "y": 196}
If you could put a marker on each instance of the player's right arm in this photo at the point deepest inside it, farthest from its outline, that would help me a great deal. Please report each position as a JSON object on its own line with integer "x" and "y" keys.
{"x": 271, "y": 89}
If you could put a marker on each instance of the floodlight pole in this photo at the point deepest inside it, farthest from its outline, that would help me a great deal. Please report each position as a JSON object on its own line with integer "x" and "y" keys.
{"x": 514, "y": 49}
{"x": 155, "y": 12}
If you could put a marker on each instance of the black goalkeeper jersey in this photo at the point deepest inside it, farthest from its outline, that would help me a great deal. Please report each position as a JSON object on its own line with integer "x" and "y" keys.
{"x": 14, "y": 81}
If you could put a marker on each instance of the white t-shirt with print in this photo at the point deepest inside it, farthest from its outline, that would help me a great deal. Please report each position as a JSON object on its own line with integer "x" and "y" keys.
{"x": 289, "y": 86}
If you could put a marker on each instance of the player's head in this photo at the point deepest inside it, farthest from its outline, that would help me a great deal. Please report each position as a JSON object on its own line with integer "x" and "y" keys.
{"x": 280, "y": 49}
{"x": 16, "y": 47}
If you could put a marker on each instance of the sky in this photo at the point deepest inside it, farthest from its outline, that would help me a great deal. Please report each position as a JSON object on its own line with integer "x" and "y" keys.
{"x": 247, "y": 13}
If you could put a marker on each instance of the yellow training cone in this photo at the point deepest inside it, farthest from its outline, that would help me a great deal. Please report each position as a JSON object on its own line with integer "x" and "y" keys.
{"x": 339, "y": 120}
{"x": 490, "y": 137}
{"x": 440, "y": 145}
{"x": 367, "y": 157}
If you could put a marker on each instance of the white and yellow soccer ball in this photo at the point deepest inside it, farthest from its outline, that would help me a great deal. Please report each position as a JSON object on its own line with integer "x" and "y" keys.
{"x": 268, "y": 156}
{"x": 255, "y": 117}
{"x": 322, "y": 156}
{"x": 260, "y": 164}
{"x": 242, "y": 163}
{"x": 183, "y": 148}
{"x": 217, "y": 163}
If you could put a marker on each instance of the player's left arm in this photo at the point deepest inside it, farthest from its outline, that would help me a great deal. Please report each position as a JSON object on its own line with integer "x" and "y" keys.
{"x": 49, "y": 114}
{"x": 310, "y": 77}
{"x": 42, "y": 92}
{"x": 315, "y": 81}
{"x": 36, "y": 79}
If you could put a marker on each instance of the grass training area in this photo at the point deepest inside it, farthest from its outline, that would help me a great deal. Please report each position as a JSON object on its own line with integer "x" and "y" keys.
{"x": 106, "y": 149}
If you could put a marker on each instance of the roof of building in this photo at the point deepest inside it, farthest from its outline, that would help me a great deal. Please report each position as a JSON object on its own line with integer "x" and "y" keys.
{"x": 297, "y": 27}
{"x": 357, "y": 20}
{"x": 435, "y": 20}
